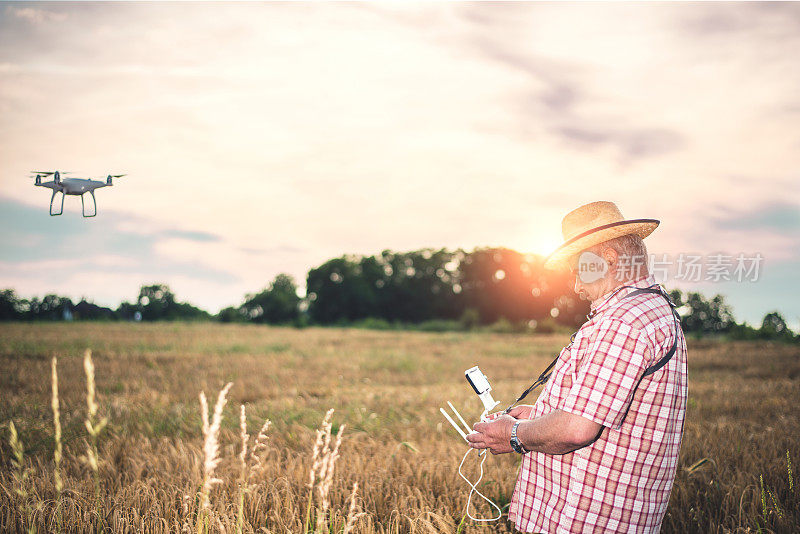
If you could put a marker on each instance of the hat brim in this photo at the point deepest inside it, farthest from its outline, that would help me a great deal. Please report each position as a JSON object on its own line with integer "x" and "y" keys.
{"x": 594, "y": 236}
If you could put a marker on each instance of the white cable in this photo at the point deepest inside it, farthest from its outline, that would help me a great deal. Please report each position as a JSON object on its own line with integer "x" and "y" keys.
{"x": 475, "y": 490}
{"x": 481, "y": 454}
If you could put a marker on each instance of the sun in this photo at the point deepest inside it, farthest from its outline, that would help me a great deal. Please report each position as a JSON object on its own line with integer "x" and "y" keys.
{"x": 543, "y": 244}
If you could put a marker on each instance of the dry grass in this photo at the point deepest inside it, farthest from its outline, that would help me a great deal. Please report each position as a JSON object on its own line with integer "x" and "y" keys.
{"x": 385, "y": 386}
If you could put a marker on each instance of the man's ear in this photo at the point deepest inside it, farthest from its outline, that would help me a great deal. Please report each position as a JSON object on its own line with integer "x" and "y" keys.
{"x": 611, "y": 257}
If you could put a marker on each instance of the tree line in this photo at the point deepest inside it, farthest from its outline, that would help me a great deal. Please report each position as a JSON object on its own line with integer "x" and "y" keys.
{"x": 474, "y": 288}
{"x": 429, "y": 289}
{"x": 154, "y": 303}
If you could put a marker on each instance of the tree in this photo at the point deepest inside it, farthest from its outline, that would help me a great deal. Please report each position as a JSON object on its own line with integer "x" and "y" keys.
{"x": 126, "y": 311}
{"x": 503, "y": 283}
{"x": 774, "y": 327}
{"x": 277, "y": 304}
{"x": 416, "y": 286}
{"x": 337, "y": 291}
{"x": 712, "y": 316}
{"x": 157, "y": 303}
{"x": 231, "y": 315}
{"x": 9, "y": 306}
{"x": 50, "y": 308}
{"x": 428, "y": 284}
{"x": 409, "y": 287}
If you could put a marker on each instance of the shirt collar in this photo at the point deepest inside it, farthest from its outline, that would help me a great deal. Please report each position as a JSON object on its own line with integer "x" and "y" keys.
{"x": 616, "y": 294}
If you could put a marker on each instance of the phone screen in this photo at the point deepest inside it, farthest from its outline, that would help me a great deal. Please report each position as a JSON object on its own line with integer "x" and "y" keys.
{"x": 477, "y": 380}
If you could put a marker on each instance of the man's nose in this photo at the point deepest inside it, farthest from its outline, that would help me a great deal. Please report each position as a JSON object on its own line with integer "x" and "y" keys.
{"x": 577, "y": 288}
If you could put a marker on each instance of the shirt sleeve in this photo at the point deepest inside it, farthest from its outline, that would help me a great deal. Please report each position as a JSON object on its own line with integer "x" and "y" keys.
{"x": 610, "y": 367}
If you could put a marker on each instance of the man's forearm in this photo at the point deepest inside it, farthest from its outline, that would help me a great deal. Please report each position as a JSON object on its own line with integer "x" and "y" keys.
{"x": 557, "y": 432}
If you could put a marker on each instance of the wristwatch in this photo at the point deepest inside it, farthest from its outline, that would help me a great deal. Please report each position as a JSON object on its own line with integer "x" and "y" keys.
{"x": 516, "y": 444}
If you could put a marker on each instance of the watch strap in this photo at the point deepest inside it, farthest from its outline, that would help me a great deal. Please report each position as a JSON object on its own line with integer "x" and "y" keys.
{"x": 515, "y": 442}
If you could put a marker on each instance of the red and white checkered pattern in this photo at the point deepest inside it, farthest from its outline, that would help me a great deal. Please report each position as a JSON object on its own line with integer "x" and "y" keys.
{"x": 622, "y": 481}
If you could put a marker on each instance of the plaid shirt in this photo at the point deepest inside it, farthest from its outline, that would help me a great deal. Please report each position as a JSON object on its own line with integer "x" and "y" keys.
{"x": 621, "y": 482}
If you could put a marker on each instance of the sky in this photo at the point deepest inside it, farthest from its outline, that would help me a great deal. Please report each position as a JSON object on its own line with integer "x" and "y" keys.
{"x": 267, "y": 138}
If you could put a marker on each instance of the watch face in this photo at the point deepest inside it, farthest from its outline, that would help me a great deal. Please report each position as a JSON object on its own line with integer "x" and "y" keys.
{"x": 515, "y": 444}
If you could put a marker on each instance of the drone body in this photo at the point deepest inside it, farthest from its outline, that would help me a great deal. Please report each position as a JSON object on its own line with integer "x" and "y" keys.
{"x": 72, "y": 186}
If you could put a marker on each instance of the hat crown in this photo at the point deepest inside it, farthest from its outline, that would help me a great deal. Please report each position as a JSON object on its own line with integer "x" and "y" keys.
{"x": 588, "y": 217}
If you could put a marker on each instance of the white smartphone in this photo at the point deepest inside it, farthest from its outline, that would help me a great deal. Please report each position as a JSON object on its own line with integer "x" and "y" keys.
{"x": 477, "y": 380}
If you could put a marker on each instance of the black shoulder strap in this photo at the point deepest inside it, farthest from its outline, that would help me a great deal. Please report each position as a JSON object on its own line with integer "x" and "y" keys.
{"x": 543, "y": 378}
{"x": 655, "y": 289}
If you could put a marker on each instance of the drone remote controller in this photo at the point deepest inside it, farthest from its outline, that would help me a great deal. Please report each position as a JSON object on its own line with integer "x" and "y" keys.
{"x": 481, "y": 385}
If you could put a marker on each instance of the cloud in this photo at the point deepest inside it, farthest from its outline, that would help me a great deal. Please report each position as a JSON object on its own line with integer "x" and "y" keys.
{"x": 778, "y": 217}
{"x": 561, "y": 92}
{"x": 282, "y": 249}
{"x": 202, "y": 237}
{"x": 35, "y": 15}
{"x": 37, "y": 245}
{"x": 632, "y": 143}
{"x": 779, "y": 19}
{"x": 109, "y": 257}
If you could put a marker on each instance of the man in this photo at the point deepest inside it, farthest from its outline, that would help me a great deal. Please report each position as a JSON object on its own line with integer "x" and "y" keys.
{"x": 600, "y": 445}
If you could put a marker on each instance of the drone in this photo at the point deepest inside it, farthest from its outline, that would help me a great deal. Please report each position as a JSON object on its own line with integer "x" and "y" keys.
{"x": 72, "y": 186}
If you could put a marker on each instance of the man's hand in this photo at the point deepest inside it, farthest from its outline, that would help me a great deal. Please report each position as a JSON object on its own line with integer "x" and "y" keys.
{"x": 517, "y": 412}
{"x": 494, "y": 435}
{"x": 521, "y": 412}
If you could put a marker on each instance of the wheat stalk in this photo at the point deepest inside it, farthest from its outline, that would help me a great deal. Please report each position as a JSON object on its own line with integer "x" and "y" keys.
{"x": 321, "y": 444}
{"x": 352, "y": 513}
{"x": 243, "y": 467}
{"x": 259, "y": 444}
{"x": 57, "y": 451}
{"x": 326, "y": 476}
{"x": 94, "y": 428}
{"x": 210, "y": 450}
{"x": 21, "y": 473}
{"x": 245, "y": 438}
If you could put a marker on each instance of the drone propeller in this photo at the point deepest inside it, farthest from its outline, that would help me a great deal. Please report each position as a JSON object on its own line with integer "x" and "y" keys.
{"x": 117, "y": 175}
{"x": 43, "y": 173}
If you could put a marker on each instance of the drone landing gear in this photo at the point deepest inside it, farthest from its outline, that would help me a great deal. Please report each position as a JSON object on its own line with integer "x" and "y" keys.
{"x": 52, "y": 198}
{"x": 83, "y": 205}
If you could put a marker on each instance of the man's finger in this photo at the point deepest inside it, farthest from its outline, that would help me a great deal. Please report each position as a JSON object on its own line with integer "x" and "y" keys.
{"x": 473, "y": 437}
{"x": 477, "y": 444}
{"x": 480, "y": 426}
{"x": 476, "y": 440}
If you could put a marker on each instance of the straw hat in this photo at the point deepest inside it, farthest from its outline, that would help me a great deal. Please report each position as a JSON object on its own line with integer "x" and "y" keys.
{"x": 592, "y": 224}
